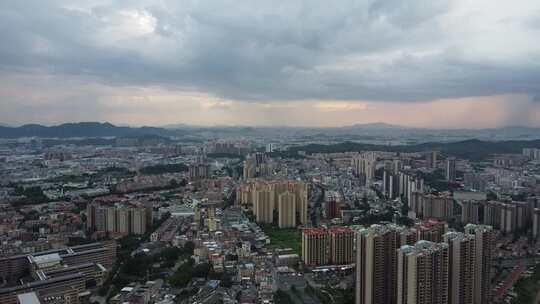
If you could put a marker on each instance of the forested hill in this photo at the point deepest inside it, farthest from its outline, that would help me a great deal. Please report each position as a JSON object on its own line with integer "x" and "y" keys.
{"x": 81, "y": 129}
{"x": 471, "y": 149}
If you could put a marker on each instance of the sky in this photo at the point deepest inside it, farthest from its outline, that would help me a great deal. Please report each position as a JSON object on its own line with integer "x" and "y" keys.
{"x": 421, "y": 63}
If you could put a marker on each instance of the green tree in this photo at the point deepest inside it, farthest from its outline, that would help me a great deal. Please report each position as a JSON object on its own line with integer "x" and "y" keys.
{"x": 226, "y": 280}
{"x": 183, "y": 275}
{"x": 202, "y": 270}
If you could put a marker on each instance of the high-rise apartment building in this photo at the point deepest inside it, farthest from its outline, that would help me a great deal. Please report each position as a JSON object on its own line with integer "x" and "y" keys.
{"x": 475, "y": 181}
{"x": 315, "y": 249}
{"x": 364, "y": 167}
{"x": 263, "y": 207}
{"x": 410, "y": 183}
{"x": 101, "y": 219}
{"x": 328, "y": 246}
{"x": 532, "y": 153}
{"x": 432, "y": 206}
{"x": 461, "y": 261}
{"x": 110, "y": 219}
{"x": 508, "y": 217}
{"x": 341, "y": 245}
{"x": 300, "y": 190}
{"x": 492, "y": 214}
{"x": 431, "y": 159}
{"x": 431, "y": 230}
{"x": 536, "y": 223}
{"x": 471, "y": 211}
{"x": 422, "y": 273}
{"x": 484, "y": 247}
{"x": 121, "y": 220}
{"x": 90, "y": 216}
{"x": 263, "y": 197}
{"x": 138, "y": 220}
{"x": 245, "y": 195}
{"x": 286, "y": 210}
{"x": 249, "y": 170}
{"x": 257, "y": 165}
{"x": 271, "y": 147}
{"x": 376, "y": 263}
{"x": 393, "y": 267}
{"x": 199, "y": 171}
{"x": 451, "y": 169}
{"x": 391, "y": 178}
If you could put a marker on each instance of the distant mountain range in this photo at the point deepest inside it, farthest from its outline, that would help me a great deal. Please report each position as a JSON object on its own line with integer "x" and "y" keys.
{"x": 383, "y": 126}
{"x": 381, "y": 133}
{"x": 81, "y": 129}
{"x": 376, "y": 125}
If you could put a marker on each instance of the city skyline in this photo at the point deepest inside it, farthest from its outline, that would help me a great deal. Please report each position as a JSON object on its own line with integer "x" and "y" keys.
{"x": 235, "y": 152}
{"x": 433, "y": 64}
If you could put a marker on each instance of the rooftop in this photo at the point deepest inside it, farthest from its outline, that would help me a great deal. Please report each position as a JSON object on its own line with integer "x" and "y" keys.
{"x": 46, "y": 259}
{"x": 28, "y": 298}
{"x": 340, "y": 230}
{"x": 314, "y": 231}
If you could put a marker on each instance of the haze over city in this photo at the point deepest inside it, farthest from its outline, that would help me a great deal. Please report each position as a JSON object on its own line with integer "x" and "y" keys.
{"x": 434, "y": 64}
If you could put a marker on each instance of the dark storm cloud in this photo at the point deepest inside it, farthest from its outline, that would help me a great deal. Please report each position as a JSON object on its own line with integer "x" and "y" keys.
{"x": 373, "y": 49}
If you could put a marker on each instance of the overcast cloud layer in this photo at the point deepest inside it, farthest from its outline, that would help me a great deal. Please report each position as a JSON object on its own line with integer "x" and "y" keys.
{"x": 210, "y": 62}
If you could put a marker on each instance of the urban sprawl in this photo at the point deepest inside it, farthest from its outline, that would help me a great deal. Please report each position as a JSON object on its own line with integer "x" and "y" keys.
{"x": 247, "y": 220}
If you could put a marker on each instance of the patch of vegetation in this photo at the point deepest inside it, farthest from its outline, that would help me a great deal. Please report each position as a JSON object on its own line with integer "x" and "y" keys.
{"x": 175, "y": 184}
{"x": 70, "y": 178}
{"x": 34, "y": 195}
{"x": 229, "y": 201}
{"x": 281, "y": 297}
{"x": 32, "y": 215}
{"x": 332, "y": 295}
{"x": 122, "y": 274}
{"x": 436, "y": 179}
{"x": 138, "y": 268}
{"x": 527, "y": 288}
{"x": 78, "y": 142}
{"x": 114, "y": 169}
{"x": 283, "y": 238}
{"x": 378, "y": 192}
{"x": 183, "y": 275}
{"x": 367, "y": 219}
{"x": 473, "y": 149}
{"x": 161, "y": 169}
{"x": 286, "y": 154}
{"x": 251, "y": 217}
{"x": 225, "y": 155}
{"x": 491, "y": 196}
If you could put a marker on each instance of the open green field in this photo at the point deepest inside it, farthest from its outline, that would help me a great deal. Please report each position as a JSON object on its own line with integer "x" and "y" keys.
{"x": 283, "y": 238}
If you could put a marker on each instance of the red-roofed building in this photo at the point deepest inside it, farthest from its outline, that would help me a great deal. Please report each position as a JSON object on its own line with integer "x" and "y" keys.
{"x": 327, "y": 246}
{"x": 315, "y": 249}
{"x": 431, "y": 230}
{"x": 341, "y": 245}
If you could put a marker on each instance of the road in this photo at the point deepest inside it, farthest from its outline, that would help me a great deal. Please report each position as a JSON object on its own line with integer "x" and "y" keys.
{"x": 316, "y": 202}
{"x": 509, "y": 281}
